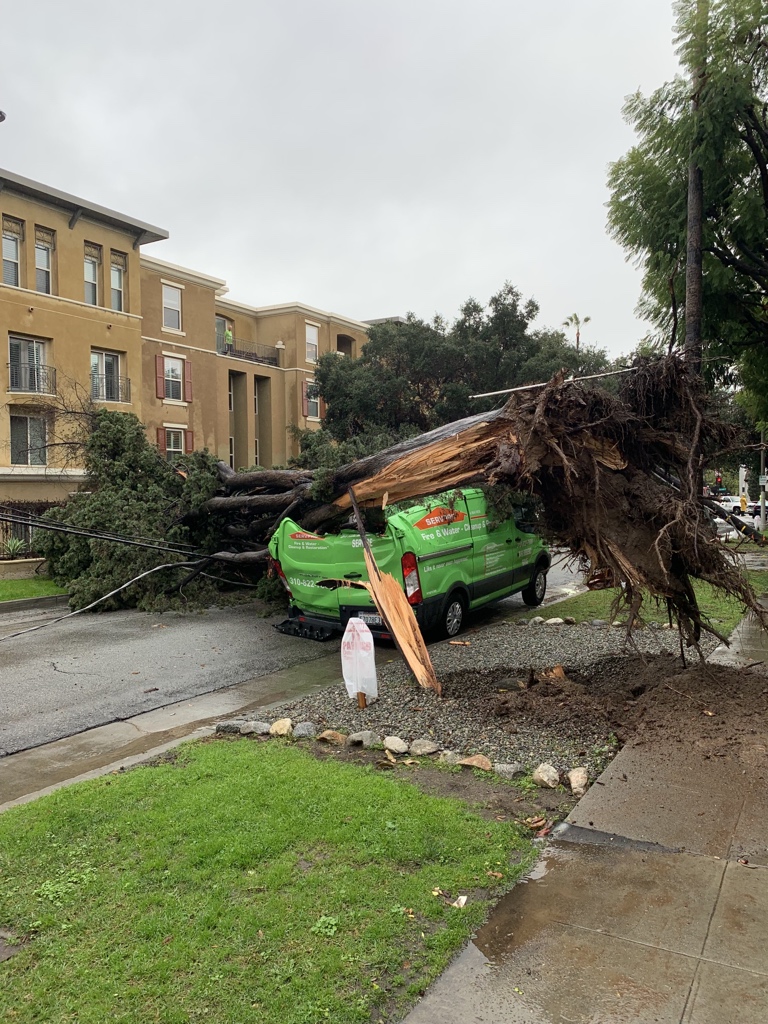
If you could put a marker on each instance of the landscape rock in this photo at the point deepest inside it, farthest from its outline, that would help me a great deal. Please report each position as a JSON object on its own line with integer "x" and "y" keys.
{"x": 304, "y": 730}
{"x": 282, "y": 727}
{"x": 569, "y": 620}
{"x": 336, "y": 739}
{"x": 546, "y": 776}
{"x": 366, "y": 739}
{"x": 395, "y": 745}
{"x": 422, "y": 747}
{"x": 477, "y": 761}
{"x": 255, "y": 729}
{"x": 449, "y": 757}
{"x": 536, "y": 620}
{"x": 579, "y": 781}
{"x": 228, "y": 727}
{"x": 509, "y": 770}
{"x": 599, "y": 622}
{"x": 554, "y": 622}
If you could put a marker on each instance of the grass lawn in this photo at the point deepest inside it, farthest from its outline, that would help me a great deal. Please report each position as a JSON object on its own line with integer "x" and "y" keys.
{"x": 246, "y": 882}
{"x": 596, "y": 604}
{"x": 14, "y": 590}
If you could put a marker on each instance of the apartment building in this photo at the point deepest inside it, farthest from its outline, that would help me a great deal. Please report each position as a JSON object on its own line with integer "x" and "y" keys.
{"x": 70, "y": 318}
{"x": 88, "y": 317}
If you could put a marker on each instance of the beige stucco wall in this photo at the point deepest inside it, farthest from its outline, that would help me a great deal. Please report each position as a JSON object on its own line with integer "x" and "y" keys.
{"x": 70, "y": 328}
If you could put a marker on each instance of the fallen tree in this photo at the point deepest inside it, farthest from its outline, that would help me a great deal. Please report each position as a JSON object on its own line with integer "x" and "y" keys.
{"x": 616, "y": 477}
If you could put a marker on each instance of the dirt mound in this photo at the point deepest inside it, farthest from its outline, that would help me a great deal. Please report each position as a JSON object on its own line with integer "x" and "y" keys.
{"x": 720, "y": 710}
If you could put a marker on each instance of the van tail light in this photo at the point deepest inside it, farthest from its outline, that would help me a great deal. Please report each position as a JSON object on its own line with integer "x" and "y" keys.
{"x": 278, "y": 569}
{"x": 411, "y": 579}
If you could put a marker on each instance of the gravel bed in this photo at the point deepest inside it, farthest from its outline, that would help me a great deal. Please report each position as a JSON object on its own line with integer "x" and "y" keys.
{"x": 474, "y": 678}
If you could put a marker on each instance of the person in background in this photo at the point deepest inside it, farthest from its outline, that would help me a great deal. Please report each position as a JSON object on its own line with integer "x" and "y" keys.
{"x": 743, "y": 500}
{"x": 228, "y": 343}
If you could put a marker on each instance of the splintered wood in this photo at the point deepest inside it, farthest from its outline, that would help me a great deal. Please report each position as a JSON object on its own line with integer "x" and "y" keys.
{"x": 398, "y": 616}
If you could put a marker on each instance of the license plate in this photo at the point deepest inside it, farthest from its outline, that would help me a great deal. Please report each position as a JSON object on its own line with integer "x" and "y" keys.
{"x": 369, "y": 618}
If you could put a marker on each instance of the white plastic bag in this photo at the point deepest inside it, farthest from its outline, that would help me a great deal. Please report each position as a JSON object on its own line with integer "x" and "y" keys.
{"x": 358, "y": 659}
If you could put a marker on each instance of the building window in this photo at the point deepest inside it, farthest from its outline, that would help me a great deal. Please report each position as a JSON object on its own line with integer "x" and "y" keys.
{"x": 231, "y": 393}
{"x": 173, "y": 379}
{"x": 44, "y": 242}
{"x": 171, "y": 307}
{"x": 106, "y": 383}
{"x": 255, "y": 396}
{"x": 175, "y": 441}
{"x": 256, "y": 452}
{"x": 174, "y": 444}
{"x": 13, "y": 235}
{"x": 91, "y": 263}
{"x": 313, "y": 400}
{"x": 312, "y": 332}
{"x": 117, "y": 270}
{"x": 225, "y": 336}
{"x": 27, "y": 369}
{"x": 231, "y": 453}
{"x": 28, "y": 436}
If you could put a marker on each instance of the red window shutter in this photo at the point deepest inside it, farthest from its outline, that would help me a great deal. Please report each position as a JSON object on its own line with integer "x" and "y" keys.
{"x": 304, "y": 399}
{"x": 189, "y": 441}
{"x": 187, "y": 381}
{"x": 161, "y": 435}
{"x": 322, "y": 409}
{"x": 160, "y": 376}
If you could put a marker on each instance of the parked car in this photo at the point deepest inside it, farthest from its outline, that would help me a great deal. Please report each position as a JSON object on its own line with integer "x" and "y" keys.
{"x": 449, "y": 557}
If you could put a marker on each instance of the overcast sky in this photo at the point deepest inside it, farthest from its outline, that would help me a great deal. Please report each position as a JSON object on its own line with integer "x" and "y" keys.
{"x": 365, "y": 157}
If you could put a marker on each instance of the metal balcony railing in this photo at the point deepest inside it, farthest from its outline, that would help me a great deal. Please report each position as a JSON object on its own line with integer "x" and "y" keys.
{"x": 108, "y": 388}
{"x": 240, "y": 349}
{"x": 33, "y": 378}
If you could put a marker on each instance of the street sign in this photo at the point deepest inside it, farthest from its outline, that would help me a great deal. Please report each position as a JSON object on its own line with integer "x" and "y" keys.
{"x": 762, "y": 479}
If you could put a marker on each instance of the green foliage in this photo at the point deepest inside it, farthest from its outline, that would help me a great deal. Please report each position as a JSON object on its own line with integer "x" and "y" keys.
{"x": 14, "y": 547}
{"x": 319, "y": 449}
{"x": 414, "y": 376}
{"x": 134, "y": 492}
{"x": 727, "y": 135}
{"x": 242, "y": 882}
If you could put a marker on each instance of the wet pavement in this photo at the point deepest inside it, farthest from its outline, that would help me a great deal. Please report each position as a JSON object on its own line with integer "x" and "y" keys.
{"x": 650, "y": 906}
{"x": 614, "y": 935}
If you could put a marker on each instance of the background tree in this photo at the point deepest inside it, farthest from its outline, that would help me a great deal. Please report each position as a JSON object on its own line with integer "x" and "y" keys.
{"x": 415, "y": 376}
{"x": 132, "y": 491}
{"x": 725, "y": 136}
{"x": 574, "y": 320}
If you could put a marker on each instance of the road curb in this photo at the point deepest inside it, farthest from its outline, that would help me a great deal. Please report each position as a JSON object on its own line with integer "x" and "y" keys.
{"x": 24, "y": 604}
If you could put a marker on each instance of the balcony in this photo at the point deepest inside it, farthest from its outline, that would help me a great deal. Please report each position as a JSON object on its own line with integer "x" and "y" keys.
{"x": 105, "y": 387}
{"x": 239, "y": 349}
{"x": 32, "y": 379}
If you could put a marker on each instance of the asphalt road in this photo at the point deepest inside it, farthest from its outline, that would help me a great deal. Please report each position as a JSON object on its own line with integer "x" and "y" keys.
{"x": 89, "y": 670}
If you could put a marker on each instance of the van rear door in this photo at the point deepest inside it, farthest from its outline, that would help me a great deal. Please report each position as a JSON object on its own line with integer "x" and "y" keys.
{"x": 307, "y": 559}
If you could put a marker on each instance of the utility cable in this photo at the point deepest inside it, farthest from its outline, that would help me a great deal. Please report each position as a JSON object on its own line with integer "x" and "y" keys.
{"x": 50, "y": 622}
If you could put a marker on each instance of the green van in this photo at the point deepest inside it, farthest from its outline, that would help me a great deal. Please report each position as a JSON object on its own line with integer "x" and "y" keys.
{"x": 448, "y": 556}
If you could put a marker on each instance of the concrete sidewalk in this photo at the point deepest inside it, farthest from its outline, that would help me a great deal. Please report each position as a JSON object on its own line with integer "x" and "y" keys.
{"x": 650, "y": 906}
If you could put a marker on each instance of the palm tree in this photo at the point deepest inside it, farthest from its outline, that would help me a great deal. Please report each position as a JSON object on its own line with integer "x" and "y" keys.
{"x": 574, "y": 320}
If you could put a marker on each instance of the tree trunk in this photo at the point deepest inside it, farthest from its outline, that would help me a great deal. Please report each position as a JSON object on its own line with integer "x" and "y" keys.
{"x": 693, "y": 269}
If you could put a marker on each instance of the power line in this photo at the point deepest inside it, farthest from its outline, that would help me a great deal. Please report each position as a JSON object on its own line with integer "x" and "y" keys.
{"x": 47, "y": 524}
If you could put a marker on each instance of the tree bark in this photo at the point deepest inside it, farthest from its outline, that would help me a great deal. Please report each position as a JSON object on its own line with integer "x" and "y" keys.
{"x": 693, "y": 268}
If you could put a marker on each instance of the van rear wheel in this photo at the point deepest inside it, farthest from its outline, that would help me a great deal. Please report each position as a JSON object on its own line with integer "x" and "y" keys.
{"x": 453, "y": 616}
{"x": 534, "y": 593}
